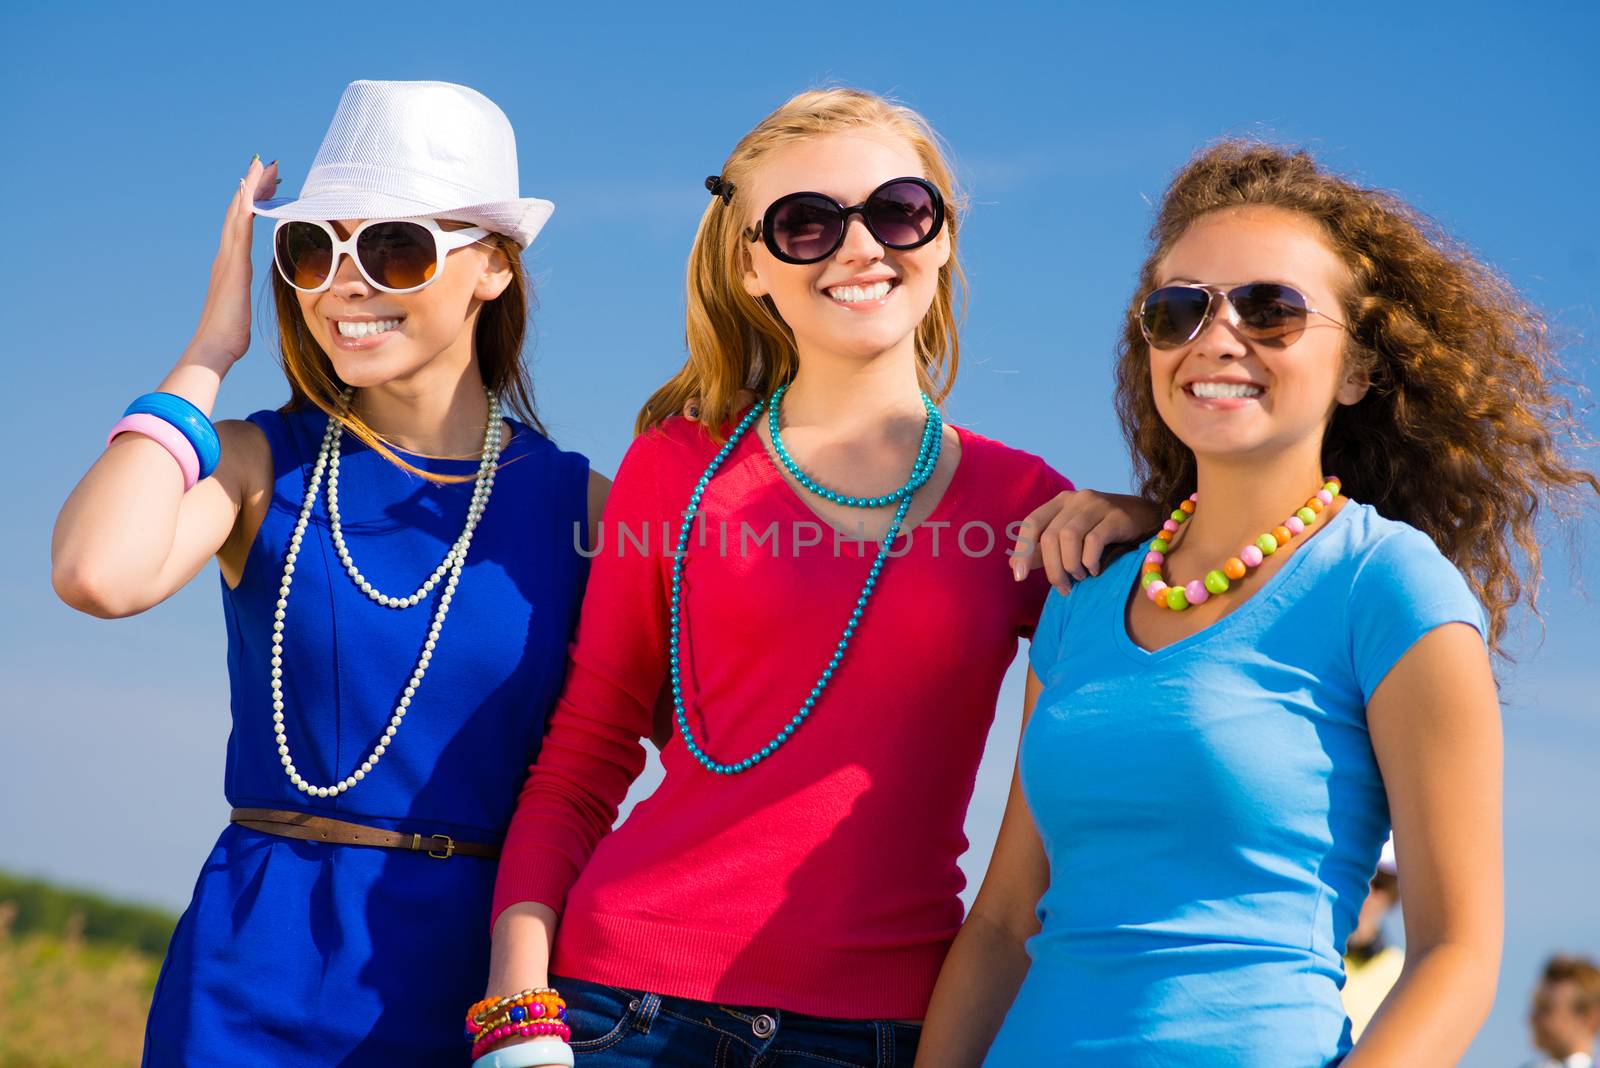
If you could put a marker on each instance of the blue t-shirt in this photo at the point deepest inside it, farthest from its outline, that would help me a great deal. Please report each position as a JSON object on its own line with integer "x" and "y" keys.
{"x": 1212, "y": 812}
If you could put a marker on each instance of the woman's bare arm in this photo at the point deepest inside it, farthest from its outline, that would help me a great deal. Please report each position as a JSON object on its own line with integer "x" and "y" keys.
{"x": 988, "y": 960}
{"x": 128, "y": 536}
{"x": 1435, "y": 724}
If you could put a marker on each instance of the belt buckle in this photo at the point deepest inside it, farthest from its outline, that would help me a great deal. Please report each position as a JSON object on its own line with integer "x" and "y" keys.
{"x": 449, "y": 845}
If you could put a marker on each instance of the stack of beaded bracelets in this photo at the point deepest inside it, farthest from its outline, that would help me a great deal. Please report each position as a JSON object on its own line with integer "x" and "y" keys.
{"x": 177, "y": 426}
{"x": 531, "y": 1014}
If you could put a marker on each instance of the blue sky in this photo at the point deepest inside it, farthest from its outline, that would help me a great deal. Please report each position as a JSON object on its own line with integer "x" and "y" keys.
{"x": 127, "y": 126}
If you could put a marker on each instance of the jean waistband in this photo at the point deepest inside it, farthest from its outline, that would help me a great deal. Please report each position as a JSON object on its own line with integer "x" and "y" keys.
{"x": 743, "y": 1018}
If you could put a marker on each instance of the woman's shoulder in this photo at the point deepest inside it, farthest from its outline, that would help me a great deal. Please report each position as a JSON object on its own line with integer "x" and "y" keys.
{"x": 675, "y": 442}
{"x": 1399, "y": 586}
{"x": 275, "y": 440}
{"x": 289, "y": 418}
{"x": 247, "y": 461}
{"x": 245, "y": 433}
{"x": 997, "y": 454}
{"x": 1006, "y": 469}
{"x": 1373, "y": 542}
{"x": 290, "y": 433}
{"x": 1112, "y": 583}
{"x": 659, "y": 467}
{"x": 535, "y": 441}
{"x": 1395, "y": 570}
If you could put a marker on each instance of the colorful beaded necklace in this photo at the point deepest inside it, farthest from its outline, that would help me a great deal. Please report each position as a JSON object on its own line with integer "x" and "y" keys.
{"x": 1199, "y": 591}
{"x": 921, "y": 470}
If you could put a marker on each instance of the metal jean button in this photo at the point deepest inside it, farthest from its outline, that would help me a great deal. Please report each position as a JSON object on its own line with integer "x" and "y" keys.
{"x": 763, "y": 1026}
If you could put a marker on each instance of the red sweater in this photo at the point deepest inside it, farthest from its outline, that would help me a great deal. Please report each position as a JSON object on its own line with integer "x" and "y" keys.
{"x": 824, "y": 880}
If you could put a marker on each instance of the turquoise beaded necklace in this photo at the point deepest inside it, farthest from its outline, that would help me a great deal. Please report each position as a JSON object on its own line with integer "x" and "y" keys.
{"x": 921, "y": 471}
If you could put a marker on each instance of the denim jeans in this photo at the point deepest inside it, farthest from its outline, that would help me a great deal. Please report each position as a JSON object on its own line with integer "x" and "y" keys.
{"x": 613, "y": 1027}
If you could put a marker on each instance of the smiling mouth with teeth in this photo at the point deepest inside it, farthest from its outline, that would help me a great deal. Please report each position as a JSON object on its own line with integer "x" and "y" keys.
{"x": 366, "y": 329}
{"x": 860, "y": 294}
{"x": 1224, "y": 390}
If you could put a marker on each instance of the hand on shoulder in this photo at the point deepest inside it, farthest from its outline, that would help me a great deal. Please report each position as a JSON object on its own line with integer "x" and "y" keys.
{"x": 1069, "y": 534}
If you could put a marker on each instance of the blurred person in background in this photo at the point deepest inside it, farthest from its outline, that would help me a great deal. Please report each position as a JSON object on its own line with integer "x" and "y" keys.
{"x": 1372, "y": 962}
{"x": 1565, "y": 1016}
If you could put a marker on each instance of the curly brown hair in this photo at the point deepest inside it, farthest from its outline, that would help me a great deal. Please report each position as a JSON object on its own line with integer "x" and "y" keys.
{"x": 1462, "y": 432}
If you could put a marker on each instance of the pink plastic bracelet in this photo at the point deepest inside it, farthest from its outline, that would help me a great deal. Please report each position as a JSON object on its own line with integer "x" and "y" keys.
{"x": 168, "y": 437}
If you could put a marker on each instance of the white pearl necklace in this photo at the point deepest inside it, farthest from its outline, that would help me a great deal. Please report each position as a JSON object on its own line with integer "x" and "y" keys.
{"x": 328, "y": 462}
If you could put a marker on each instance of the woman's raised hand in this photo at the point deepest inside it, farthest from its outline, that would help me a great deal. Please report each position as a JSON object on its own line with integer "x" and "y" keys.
{"x": 224, "y": 332}
{"x": 130, "y": 535}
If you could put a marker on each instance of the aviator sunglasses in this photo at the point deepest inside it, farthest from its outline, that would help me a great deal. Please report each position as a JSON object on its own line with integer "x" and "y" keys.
{"x": 394, "y": 255}
{"x": 1265, "y": 312}
{"x": 800, "y": 228}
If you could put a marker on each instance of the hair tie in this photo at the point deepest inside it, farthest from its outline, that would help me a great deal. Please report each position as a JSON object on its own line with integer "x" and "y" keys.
{"x": 720, "y": 188}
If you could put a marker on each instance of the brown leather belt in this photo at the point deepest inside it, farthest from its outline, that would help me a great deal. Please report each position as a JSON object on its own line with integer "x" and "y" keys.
{"x": 309, "y": 828}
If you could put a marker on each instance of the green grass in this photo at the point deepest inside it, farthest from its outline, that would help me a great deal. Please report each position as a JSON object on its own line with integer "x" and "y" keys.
{"x": 45, "y": 907}
{"x": 76, "y": 974}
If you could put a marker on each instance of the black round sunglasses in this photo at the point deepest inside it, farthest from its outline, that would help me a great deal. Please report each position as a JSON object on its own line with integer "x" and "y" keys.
{"x": 801, "y": 228}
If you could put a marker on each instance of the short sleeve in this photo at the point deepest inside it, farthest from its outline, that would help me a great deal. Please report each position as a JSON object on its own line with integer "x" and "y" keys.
{"x": 1046, "y": 648}
{"x": 1042, "y": 484}
{"x": 1405, "y": 588}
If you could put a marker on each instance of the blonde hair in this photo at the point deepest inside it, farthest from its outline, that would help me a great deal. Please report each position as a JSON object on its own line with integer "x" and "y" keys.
{"x": 737, "y": 341}
{"x": 497, "y": 338}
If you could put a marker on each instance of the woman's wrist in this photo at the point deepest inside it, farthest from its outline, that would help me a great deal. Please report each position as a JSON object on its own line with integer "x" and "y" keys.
{"x": 538, "y": 1015}
{"x": 519, "y": 956}
{"x": 201, "y": 353}
{"x": 197, "y": 377}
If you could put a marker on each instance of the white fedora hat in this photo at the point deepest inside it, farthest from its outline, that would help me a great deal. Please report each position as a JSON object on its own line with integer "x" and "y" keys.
{"x": 399, "y": 150}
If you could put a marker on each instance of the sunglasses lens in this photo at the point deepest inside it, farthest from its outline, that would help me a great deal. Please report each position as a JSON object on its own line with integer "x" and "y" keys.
{"x": 902, "y": 214}
{"x": 398, "y": 255}
{"x": 1171, "y": 315}
{"x": 806, "y": 228}
{"x": 1269, "y": 312}
{"x": 304, "y": 252}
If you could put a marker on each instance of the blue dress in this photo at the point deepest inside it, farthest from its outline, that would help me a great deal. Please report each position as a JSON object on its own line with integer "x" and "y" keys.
{"x": 303, "y": 953}
{"x": 1213, "y": 810}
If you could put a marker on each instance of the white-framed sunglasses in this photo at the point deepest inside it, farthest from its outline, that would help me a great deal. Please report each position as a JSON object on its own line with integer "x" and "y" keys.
{"x": 394, "y": 255}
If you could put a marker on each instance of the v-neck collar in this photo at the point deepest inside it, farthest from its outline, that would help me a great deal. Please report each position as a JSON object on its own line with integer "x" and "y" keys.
{"x": 1254, "y": 605}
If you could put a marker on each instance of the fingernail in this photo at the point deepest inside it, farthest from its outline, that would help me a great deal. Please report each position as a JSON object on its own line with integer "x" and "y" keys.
{"x": 255, "y": 157}
{"x": 274, "y": 163}
{"x": 1019, "y": 570}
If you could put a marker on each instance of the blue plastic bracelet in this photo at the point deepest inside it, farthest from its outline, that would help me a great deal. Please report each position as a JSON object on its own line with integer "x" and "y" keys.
{"x": 190, "y": 421}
